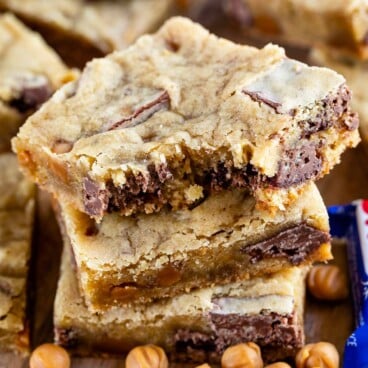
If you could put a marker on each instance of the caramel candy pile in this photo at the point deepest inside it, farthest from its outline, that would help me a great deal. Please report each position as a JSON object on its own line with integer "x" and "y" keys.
{"x": 147, "y": 356}
{"x": 246, "y": 355}
{"x": 327, "y": 282}
{"x": 49, "y": 356}
{"x": 318, "y": 355}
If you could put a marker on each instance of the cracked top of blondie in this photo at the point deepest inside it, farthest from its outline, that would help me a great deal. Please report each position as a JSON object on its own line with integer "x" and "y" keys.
{"x": 183, "y": 102}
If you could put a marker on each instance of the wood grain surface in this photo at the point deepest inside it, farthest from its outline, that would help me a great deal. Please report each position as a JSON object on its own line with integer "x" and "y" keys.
{"x": 323, "y": 321}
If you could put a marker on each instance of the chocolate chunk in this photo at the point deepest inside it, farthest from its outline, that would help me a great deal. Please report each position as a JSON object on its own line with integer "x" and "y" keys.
{"x": 300, "y": 164}
{"x": 66, "y": 337}
{"x": 6, "y": 288}
{"x": 334, "y": 107}
{"x": 185, "y": 338}
{"x": 32, "y": 97}
{"x": 238, "y": 10}
{"x": 266, "y": 329}
{"x": 139, "y": 189}
{"x": 257, "y": 97}
{"x": 352, "y": 122}
{"x": 141, "y": 114}
{"x": 95, "y": 199}
{"x": 206, "y": 12}
{"x": 365, "y": 39}
{"x": 294, "y": 243}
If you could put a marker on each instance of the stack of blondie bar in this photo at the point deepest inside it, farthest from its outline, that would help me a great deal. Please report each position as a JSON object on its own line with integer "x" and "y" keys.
{"x": 183, "y": 169}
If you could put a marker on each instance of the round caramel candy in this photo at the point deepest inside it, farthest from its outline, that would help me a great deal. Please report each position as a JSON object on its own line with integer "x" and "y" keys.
{"x": 247, "y": 355}
{"x": 49, "y": 356}
{"x": 318, "y": 355}
{"x": 327, "y": 282}
{"x": 147, "y": 356}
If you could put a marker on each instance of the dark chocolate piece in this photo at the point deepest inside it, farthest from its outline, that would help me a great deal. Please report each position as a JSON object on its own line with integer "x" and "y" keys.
{"x": 295, "y": 243}
{"x": 31, "y": 97}
{"x": 139, "y": 189}
{"x": 142, "y": 113}
{"x": 238, "y": 10}
{"x": 66, "y": 337}
{"x": 95, "y": 198}
{"x": 300, "y": 164}
{"x": 257, "y": 97}
{"x": 270, "y": 330}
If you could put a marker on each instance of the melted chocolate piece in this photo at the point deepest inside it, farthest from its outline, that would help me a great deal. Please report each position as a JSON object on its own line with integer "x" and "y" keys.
{"x": 257, "y": 97}
{"x": 266, "y": 329}
{"x": 31, "y": 97}
{"x": 142, "y": 113}
{"x": 139, "y": 189}
{"x": 238, "y": 10}
{"x": 95, "y": 199}
{"x": 299, "y": 165}
{"x": 295, "y": 243}
{"x": 66, "y": 337}
{"x": 333, "y": 107}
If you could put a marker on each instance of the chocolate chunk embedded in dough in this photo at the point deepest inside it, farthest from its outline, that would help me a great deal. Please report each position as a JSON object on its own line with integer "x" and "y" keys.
{"x": 295, "y": 243}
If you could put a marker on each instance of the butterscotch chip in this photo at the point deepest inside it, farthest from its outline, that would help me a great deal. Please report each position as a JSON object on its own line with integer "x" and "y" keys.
{"x": 242, "y": 356}
{"x": 278, "y": 365}
{"x": 327, "y": 282}
{"x": 49, "y": 356}
{"x": 147, "y": 356}
{"x": 318, "y": 355}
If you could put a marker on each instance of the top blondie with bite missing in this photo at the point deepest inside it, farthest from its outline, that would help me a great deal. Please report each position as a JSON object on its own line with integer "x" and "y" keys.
{"x": 183, "y": 113}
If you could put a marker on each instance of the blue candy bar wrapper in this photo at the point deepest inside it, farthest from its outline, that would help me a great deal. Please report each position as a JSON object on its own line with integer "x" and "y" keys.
{"x": 351, "y": 223}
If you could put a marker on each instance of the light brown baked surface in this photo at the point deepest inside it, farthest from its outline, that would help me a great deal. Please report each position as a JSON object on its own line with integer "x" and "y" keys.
{"x": 117, "y": 330}
{"x": 182, "y": 113}
{"x": 356, "y": 73}
{"x": 147, "y": 257}
{"x": 30, "y": 71}
{"x": 339, "y": 24}
{"x": 80, "y": 30}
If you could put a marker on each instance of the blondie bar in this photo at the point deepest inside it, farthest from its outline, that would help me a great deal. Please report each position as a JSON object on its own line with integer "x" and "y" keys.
{"x": 196, "y": 326}
{"x": 183, "y": 113}
{"x": 226, "y": 238}
{"x": 340, "y": 24}
{"x": 356, "y": 73}
{"x": 16, "y": 222}
{"x": 80, "y": 30}
{"x": 29, "y": 73}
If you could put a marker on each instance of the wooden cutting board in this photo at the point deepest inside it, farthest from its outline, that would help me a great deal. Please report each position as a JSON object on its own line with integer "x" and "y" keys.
{"x": 323, "y": 321}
